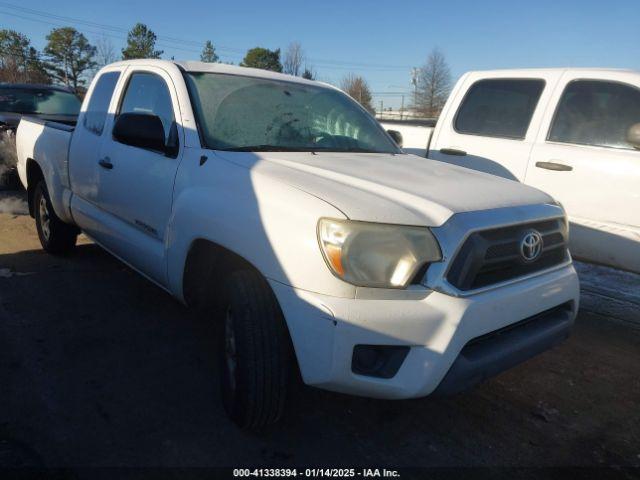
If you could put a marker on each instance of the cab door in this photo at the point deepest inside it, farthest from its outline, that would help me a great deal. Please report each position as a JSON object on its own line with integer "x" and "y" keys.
{"x": 582, "y": 158}
{"x": 86, "y": 142}
{"x": 136, "y": 184}
{"x": 491, "y": 120}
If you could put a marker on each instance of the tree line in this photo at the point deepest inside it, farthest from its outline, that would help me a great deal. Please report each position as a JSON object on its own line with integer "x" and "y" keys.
{"x": 69, "y": 58}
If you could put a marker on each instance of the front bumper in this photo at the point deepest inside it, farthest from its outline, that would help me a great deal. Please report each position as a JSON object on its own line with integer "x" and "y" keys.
{"x": 486, "y": 356}
{"x": 435, "y": 326}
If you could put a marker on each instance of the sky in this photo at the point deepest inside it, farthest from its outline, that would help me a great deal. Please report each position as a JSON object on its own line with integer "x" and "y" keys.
{"x": 381, "y": 41}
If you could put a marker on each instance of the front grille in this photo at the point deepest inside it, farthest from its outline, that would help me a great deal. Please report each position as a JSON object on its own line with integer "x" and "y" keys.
{"x": 493, "y": 256}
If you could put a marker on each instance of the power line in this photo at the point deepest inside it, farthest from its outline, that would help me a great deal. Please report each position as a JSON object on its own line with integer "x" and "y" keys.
{"x": 170, "y": 42}
{"x": 159, "y": 43}
{"x": 102, "y": 26}
{"x": 165, "y": 42}
{"x": 356, "y": 64}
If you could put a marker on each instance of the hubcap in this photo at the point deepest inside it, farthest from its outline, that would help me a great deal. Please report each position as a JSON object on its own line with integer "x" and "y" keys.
{"x": 45, "y": 219}
{"x": 230, "y": 355}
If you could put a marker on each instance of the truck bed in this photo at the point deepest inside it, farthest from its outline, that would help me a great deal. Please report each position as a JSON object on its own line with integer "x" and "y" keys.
{"x": 47, "y": 143}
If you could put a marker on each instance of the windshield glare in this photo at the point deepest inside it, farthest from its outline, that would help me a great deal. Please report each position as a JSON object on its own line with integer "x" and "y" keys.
{"x": 38, "y": 101}
{"x": 254, "y": 114}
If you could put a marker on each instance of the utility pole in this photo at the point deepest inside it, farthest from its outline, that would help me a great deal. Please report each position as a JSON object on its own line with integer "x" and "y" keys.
{"x": 414, "y": 82}
{"x": 402, "y": 107}
{"x": 381, "y": 108}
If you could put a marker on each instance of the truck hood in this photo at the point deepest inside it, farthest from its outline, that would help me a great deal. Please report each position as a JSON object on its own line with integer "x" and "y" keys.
{"x": 401, "y": 189}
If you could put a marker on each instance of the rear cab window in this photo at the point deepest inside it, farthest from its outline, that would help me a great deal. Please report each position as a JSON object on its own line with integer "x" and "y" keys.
{"x": 499, "y": 107}
{"x": 96, "y": 114}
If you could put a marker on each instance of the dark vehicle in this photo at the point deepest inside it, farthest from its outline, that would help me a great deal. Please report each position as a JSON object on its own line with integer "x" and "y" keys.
{"x": 47, "y": 102}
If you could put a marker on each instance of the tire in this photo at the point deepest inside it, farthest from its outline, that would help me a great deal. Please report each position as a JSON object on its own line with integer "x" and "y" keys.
{"x": 256, "y": 353}
{"x": 55, "y": 236}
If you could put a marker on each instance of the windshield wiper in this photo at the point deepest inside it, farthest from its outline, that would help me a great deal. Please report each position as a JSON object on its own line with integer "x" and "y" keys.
{"x": 281, "y": 148}
{"x": 263, "y": 148}
{"x": 346, "y": 150}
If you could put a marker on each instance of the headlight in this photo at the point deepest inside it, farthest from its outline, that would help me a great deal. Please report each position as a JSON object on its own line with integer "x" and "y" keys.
{"x": 376, "y": 255}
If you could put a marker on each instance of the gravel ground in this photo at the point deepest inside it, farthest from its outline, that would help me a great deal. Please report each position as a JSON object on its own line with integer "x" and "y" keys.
{"x": 98, "y": 367}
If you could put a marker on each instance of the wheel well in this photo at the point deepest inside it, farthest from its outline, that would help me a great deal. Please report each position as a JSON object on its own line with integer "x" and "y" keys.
{"x": 206, "y": 270}
{"x": 208, "y": 265}
{"x": 34, "y": 175}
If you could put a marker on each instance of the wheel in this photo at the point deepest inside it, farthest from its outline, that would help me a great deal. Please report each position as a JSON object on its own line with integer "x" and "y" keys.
{"x": 256, "y": 353}
{"x": 55, "y": 236}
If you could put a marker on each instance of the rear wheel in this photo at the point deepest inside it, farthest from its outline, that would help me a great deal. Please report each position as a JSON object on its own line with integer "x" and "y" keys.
{"x": 55, "y": 236}
{"x": 256, "y": 353}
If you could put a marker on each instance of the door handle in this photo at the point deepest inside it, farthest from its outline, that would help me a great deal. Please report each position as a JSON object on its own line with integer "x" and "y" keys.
{"x": 453, "y": 151}
{"x": 556, "y": 167}
{"x": 105, "y": 163}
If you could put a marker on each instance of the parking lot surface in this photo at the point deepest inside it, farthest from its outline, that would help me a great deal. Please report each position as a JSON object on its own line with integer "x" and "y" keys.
{"x": 98, "y": 367}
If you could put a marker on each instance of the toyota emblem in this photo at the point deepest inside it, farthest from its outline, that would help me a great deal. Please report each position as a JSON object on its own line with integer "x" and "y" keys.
{"x": 531, "y": 246}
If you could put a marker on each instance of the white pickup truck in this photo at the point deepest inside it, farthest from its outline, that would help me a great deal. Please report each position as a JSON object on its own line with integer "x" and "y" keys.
{"x": 283, "y": 210}
{"x": 573, "y": 133}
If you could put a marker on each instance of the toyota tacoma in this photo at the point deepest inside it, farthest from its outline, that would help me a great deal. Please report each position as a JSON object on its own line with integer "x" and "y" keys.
{"x": 280, "y": 208}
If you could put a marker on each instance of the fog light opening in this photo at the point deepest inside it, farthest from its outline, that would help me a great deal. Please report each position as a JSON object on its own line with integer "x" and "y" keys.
{"x": 381, "y": 361}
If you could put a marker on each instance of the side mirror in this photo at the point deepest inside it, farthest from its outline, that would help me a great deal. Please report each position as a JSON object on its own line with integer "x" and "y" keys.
{"x": 140, "y": 130}
{"x": 397, "y": 137}
{"x": 633, "y": 136}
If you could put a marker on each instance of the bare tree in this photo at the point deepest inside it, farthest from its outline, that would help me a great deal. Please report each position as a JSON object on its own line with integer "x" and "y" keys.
{"x": 293, "y": 60}
{"x": 105, "y": 52}
{"x": 433, "y": 85}
{"x": 358, "y": 89}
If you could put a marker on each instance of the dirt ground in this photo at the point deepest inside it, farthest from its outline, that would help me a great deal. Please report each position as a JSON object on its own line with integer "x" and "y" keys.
{"x": 98, "y": 367}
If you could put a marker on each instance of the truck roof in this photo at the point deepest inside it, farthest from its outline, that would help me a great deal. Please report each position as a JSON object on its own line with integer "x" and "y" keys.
{"x": 521, "y": 71}
{"x": 193, "y": 66}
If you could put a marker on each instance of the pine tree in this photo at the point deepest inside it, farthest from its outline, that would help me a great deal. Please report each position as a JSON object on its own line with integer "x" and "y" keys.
{"x": 141, "y": 43}
{"x": 69, "y": 54}
{"x": 263, "y": 58}
{"x": 19, "y": 61}
{"x": 209, "y": 53}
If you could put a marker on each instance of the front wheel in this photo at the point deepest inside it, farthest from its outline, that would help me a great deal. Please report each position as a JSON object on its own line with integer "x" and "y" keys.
{"x": 256, "y": 353}
{"x": 55, "y": 236}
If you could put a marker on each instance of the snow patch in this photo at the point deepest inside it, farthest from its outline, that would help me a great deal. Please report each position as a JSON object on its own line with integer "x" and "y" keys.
{"x": 13, "y": 204}
{"x": 8, "y": 155}
{"x": 610, "y": 292}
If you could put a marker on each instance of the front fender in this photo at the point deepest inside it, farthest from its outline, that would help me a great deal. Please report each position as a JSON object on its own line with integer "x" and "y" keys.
{"x": 269, "y": 224}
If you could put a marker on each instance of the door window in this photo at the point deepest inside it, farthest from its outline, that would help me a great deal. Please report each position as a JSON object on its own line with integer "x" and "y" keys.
{"x": 499, "y": 107}
{"x": 96, "y": 113}
{"x": 596, "y": 112}
{"x": 148, "y": 93}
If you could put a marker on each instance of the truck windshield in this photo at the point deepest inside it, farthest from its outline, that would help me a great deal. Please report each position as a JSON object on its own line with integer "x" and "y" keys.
{"x": 35, "y": 101}
{"x": 237, "y": 113}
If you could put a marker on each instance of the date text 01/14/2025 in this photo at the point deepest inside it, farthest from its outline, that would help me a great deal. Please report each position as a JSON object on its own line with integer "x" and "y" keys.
{"x": 317, "y": 472}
